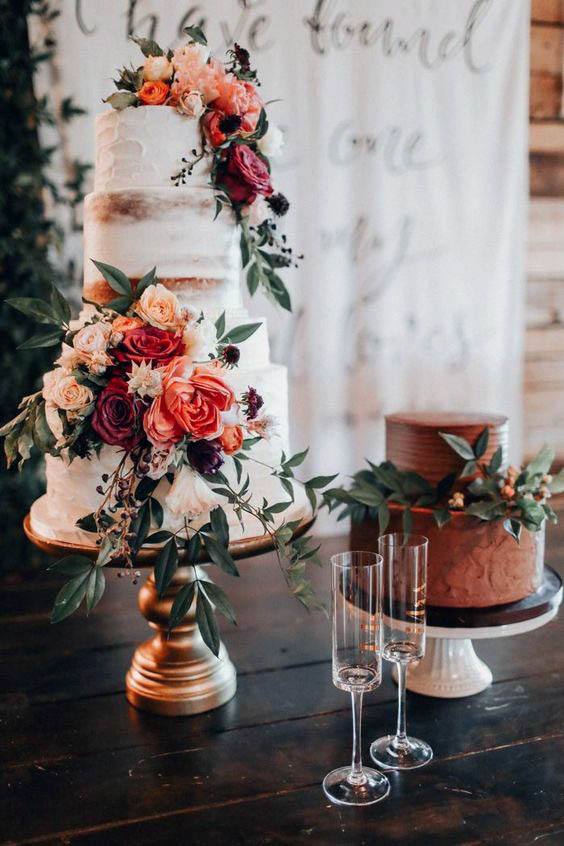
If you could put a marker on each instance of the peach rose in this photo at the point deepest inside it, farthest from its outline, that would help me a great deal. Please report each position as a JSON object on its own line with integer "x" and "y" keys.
{"x": 160, "y": 308}
{"x": 153, "y": 93}
{"x": 92, "y": 338}
{"x": 157, "y": 68}
{"x": 61, "y": 390}
{"x": 239, "y": 98}
{"x": 194, "y": 73}
{"x": 190, "y": 403}
{"x": 191, "y": 104}
{"x": 231, "y": 439}
{"x": 126, "y": 324}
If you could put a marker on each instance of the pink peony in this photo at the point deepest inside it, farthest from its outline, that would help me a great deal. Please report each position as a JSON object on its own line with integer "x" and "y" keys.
{"x": 238, "y": 98}
{"x": 194, "y": 73}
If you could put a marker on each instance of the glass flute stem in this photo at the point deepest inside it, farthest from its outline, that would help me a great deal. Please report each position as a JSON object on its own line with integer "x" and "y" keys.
{"x": 400, "y": 740}
{"x": 357, "y": 774}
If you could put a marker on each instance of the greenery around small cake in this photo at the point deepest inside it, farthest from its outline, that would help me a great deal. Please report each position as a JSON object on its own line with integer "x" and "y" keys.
{"x": 518, "y": 496}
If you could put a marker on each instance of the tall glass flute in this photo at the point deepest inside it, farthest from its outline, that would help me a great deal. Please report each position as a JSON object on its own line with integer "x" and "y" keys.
{"x": 356, "y": 581}
{"x": 404, "y": 585}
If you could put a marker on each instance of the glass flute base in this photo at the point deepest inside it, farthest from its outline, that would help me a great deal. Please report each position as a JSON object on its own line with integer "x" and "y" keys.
{"x": 340, "y": 789}
{"x": 415, "y": 753}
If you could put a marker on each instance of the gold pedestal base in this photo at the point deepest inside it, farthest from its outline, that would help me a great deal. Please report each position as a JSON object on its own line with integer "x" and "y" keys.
{"x": 175, "y": 674}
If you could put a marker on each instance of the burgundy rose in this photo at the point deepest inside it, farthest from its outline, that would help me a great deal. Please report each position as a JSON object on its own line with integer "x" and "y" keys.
{"x": 245, "y": 175}
{"x": 115, "y": 418}
{"x": 147, "y": 343}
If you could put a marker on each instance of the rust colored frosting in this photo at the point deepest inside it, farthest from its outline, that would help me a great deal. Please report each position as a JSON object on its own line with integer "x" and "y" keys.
{"x": 471, "y": 564}
{"x": 413, "y": 440}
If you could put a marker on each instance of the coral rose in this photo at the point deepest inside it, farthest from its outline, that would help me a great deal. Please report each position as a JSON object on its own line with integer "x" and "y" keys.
{"x": 231, "y": 439}
{"x": 160, "y": 307}
{"x": 115, "y": 417}
{"x": 212, "y": 130}
{"x": 245, "y": 175}
{"x": 190, "y": 403}
{"x": 147, "y": 343}
{"x": 153, "y": 93}
{"x": 239, "y": 98}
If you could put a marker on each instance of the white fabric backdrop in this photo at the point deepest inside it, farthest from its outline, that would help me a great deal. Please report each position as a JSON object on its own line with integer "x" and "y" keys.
{"x": 405, "y": 163}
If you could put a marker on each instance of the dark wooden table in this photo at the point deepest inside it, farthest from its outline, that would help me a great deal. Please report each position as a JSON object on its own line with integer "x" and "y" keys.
{"x": 80, "y": 766}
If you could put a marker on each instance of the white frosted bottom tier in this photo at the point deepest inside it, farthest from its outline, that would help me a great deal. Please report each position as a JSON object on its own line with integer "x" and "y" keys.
{"x": 71, "y": 488}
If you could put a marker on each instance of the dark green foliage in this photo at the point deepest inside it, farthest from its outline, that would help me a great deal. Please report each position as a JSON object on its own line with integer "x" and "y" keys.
{"x": 26, "y": 235}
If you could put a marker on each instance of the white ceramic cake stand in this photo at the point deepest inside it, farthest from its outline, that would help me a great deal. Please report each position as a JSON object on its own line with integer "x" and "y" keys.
{"x": 451, "y": 668}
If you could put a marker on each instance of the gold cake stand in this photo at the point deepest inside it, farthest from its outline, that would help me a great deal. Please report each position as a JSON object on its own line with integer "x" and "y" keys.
{"x": 174, "y": 673}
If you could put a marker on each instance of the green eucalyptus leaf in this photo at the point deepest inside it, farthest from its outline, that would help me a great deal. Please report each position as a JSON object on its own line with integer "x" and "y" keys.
{"x": 181, "y": 604}
{"x": 383, "y": 517}
{"x": 320, "y": 481}
{"x": 541, "y": 464}
{"x": 60, "y": 306}
{"x": 481, "y": 444}
{"x": 556, "y": 486}
{"x": 196, "y": 33}
{"x": 207, "y": 623}
{"x": 220, "y": 556}
{"x": 513, "y": 527}
{"x": 116, "y": 278}
{"x": 148, "y": 46}
{"x": 240, "y": 333}
{"x": 71, "y": 565}
{"x": 220, "y": 526}
{"x": 69, "y": 597}
{"x": 49, "y": 338}
{"x": 459, "y": 445}
{"x": 35, "y": 308}
{"x": 219, "y": 598}
{"x": 220, "y": 325}
{"x": 495, "y": 462}
{"x": 122, "y": 100}
{"x": 253, "y": 278}
{"x": 145, "y": 282}
{"x": 407, "y": 521}
{"x": 165, "y": 566}
{"x": 95, "y": 587}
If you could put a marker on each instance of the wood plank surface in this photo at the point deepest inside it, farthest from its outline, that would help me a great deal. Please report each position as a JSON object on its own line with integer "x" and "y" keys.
{"x": 79, "y": 765}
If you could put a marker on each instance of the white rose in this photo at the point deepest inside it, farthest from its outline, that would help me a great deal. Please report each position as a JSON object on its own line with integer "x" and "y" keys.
{"x": 200, "y": 340}
{"x": 156, "y": 68}
{"x": 63, "y": 391}
{"x": 159, "y": 307}
{"x": 271, "y": 144}
{"x": 189, "y": 495}
{"x": 92, "y": 338}
{"x": 191, "y": 104}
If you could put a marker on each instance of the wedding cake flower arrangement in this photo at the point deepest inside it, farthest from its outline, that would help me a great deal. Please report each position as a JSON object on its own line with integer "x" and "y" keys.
{"x": 163, "y": 422}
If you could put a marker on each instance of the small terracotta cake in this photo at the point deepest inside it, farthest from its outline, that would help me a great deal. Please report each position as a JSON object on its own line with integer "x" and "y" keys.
{"x": 471, "y": 563}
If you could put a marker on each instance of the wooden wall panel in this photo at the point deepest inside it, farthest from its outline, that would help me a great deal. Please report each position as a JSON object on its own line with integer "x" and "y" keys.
{"x": 544, "y": 346}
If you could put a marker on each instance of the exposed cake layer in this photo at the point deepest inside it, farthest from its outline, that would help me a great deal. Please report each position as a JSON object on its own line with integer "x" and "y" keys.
{"x": 471, "y": 564}
{"x": 71, "y": 489}
{"x": 172, "y": 229}
{"x": 413, "y": 441}
{"x": 144, "y": 148}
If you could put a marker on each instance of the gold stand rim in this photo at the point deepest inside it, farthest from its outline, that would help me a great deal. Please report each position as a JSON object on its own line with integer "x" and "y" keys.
{"x": 242, "y": 548}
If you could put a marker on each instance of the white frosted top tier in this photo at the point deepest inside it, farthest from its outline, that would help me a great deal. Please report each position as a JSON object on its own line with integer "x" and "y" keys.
{"x": 143, "y": 147}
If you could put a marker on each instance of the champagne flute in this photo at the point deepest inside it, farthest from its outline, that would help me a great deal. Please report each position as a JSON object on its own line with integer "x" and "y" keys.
{"x": 404, "y": 581}
{"x": 356, "y": 582}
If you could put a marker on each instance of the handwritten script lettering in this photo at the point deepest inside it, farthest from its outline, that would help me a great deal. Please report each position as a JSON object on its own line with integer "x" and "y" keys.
{"x": 331, "y": 28}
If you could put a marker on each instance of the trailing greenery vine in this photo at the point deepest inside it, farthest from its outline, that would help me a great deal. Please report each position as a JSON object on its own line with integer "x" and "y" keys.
{"x": 28, "y": 236}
